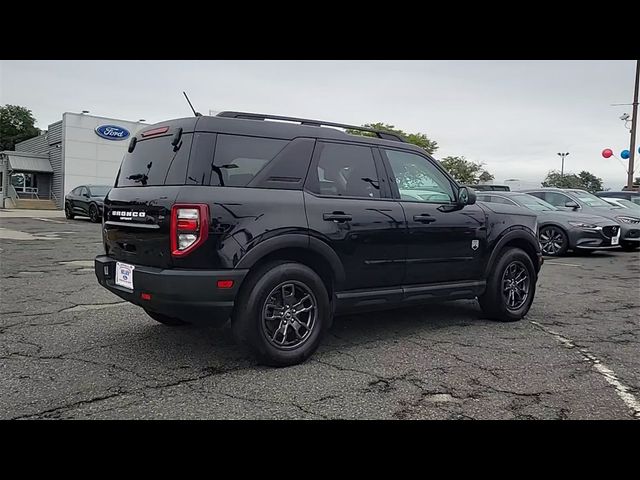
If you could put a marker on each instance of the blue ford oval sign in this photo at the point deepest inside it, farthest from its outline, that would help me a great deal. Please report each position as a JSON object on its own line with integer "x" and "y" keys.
{"x": 112, "y": 132}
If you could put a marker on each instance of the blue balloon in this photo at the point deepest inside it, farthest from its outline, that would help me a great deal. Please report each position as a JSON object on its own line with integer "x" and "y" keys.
{"x": 624, "y": 154}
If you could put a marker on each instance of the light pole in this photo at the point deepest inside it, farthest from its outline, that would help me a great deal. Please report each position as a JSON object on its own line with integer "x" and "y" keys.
{"x": 562, "y": 171}
{"x": 634, "y": 123}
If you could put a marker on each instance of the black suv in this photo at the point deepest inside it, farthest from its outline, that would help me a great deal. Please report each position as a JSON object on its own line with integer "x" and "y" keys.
{"x": 279, "y": 225}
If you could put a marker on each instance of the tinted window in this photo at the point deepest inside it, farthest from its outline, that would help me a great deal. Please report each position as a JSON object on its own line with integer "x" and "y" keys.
{"x": 418, "y": 179}
{"x": 84, "y": 191}
{"x": 346, "y": 170}
{"x": 99, "y": 191}
{"x": 155, "y": 161}
{"x": 556, "y": 199}
{"x": 76, "y": 191}
{"x": 238, "y": 159}
{"x": 501, "y": 200}
{"x": 534, "y": 203}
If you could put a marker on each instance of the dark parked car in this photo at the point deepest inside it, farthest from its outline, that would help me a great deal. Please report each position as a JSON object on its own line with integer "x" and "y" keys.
{"x": 584, "y": 202}
{"x": 559, "y": 230}
{"x": 86, "y": 200}
{"x": 627, "y": 195}
{"x": 279, "y": 225}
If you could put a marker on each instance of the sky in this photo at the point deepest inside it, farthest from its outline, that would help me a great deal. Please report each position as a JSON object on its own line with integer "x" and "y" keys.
{"x": 514, "y": 116}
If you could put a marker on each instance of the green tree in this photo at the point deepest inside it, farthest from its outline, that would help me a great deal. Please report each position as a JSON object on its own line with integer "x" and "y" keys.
{"x": 419, "y": 139}
{"x": 584, "y": 180}
{"x": 465, "y": 171}
{"x": 486, "y": 177}
{"x": 590, "y": 182}
{"x": 16, "y": 124}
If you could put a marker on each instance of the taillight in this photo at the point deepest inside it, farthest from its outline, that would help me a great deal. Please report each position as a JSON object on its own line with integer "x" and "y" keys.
{"x": 189, "y": 227}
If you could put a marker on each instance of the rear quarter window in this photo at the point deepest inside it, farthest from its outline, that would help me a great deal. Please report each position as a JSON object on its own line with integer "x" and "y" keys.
{"x": 237, "y": 159}
{"x": 155, "y": 162}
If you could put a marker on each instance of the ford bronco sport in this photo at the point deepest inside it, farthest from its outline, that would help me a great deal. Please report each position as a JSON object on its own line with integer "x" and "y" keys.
{"x": 280, "y": 225}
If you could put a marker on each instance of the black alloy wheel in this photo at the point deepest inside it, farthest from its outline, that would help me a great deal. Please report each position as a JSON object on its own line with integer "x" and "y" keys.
{"x": 515, "y": 285}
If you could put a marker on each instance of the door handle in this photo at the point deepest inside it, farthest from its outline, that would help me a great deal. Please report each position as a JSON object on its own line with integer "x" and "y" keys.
{"x": 339, "y": 217}
{"x": 424, "y": 218}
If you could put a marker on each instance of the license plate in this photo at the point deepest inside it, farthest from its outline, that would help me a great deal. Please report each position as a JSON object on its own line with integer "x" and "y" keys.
{"x": 615, "y": 240}
{"x": 124, "y": 275}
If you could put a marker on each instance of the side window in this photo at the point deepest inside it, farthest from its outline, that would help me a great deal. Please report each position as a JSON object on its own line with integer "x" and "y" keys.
{"x": 84, "y": 191}
{"x": 238, "y": 158}
{"x": 346, "y": 171}
{"x": 76, "y": 191}
{"x": 418, "y": 179}
{"x": 556, "y": 199}
{"x": 502, "y": 200}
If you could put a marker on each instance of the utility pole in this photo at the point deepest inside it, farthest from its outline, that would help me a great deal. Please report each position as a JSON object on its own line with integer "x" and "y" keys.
{"x": 634, "y": 124}
{"x": 562, "y": 170}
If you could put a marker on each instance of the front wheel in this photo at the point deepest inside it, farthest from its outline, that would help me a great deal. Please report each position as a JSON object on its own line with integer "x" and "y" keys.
{"x": 553, "y": 241}
{"x": 94, "y": 215}
{"x": 511, "y": 287}
{"x": 629, "y": 246}
{"x": 282, "y": 313}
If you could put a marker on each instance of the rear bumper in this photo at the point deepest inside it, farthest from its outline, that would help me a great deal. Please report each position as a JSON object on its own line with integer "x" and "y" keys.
{"x": 191, "y": 295}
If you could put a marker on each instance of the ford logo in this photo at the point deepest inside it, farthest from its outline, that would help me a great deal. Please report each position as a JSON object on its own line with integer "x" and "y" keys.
{"x": 112, "y": 132}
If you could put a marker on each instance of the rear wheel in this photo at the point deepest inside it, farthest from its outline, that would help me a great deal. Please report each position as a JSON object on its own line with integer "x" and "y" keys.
{"x": 68, "y": 212}
{"x": 282, "y": 313}
{"x": 94, "y": 215}
{"x": 553, "y": 241}
{"x": 165, "y": 320}
{"x": 629, "y": 246}
{"x": 511, "y": 286}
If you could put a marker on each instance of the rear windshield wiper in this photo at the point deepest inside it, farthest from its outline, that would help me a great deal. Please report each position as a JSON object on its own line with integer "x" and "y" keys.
{"x": 139, "y": 177}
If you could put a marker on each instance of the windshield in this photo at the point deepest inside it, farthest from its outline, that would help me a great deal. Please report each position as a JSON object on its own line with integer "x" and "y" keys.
{"x": 591, "y": 200}
{"x": 99, "y": 190}
{"x": 628, "y": 203}
{"x": 533, "y": 203}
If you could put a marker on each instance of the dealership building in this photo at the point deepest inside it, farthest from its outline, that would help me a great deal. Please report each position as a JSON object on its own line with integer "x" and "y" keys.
{"x": 80, "y": 149}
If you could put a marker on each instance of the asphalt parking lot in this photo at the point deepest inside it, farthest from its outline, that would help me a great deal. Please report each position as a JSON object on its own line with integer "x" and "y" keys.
{"x": 71, "y": 349}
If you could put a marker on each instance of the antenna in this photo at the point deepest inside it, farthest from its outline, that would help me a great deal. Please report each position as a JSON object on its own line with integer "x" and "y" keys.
{"x": 197, "y": 114}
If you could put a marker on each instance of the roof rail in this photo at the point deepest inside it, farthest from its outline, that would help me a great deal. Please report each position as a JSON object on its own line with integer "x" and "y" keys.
{"x": 313, "y": 123}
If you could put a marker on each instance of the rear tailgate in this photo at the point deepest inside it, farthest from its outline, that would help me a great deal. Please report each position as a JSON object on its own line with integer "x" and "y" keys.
{"x": 137, "y": 224}
{"x": 137, "y": 211}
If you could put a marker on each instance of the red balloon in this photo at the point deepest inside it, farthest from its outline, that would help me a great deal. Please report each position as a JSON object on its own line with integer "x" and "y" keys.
{"x": 607, "y": 152}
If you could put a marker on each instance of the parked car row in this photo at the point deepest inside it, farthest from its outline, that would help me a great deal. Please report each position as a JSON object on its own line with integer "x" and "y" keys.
{"x": 572, "y": 219}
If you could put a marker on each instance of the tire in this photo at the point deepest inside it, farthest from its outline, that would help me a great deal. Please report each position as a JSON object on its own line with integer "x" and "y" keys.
{"x": 68, "y": 212}
{"x": 629, "y": 246}
{"x": 94, "y": 214}
{"x": 553, "y": 241}
{"x": 264, "y": 322}
{"x": 165, "y": 320}
{"x": 494, "y": 302}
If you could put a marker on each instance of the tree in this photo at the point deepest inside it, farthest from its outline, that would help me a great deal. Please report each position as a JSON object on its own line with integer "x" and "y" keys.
{"x": 16, "y": 124}
{"x": 465, "y": 171}
{"x": 486, "y": 177}
{"x": 584, "y": 180}
{"x": 590, "y": 182}
{"x": 419, "y": 139}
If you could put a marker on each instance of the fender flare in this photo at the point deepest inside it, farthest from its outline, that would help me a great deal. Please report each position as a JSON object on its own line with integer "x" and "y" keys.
{"x": 519, "y": 233}
{"x": 306, "y": 242}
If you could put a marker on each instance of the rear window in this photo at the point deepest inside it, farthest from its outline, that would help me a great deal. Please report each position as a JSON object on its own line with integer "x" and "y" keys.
{"x": 237, "y": 159}
{"x": 155, "y": 162}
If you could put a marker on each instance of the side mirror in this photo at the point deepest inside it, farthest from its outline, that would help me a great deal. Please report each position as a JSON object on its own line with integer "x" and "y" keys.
{"x": 572, "y": 204}
{"x": 466, "y": 196}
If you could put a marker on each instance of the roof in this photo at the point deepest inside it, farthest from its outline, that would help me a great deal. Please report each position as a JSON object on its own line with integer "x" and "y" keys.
{"x": 28, "y": 162}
